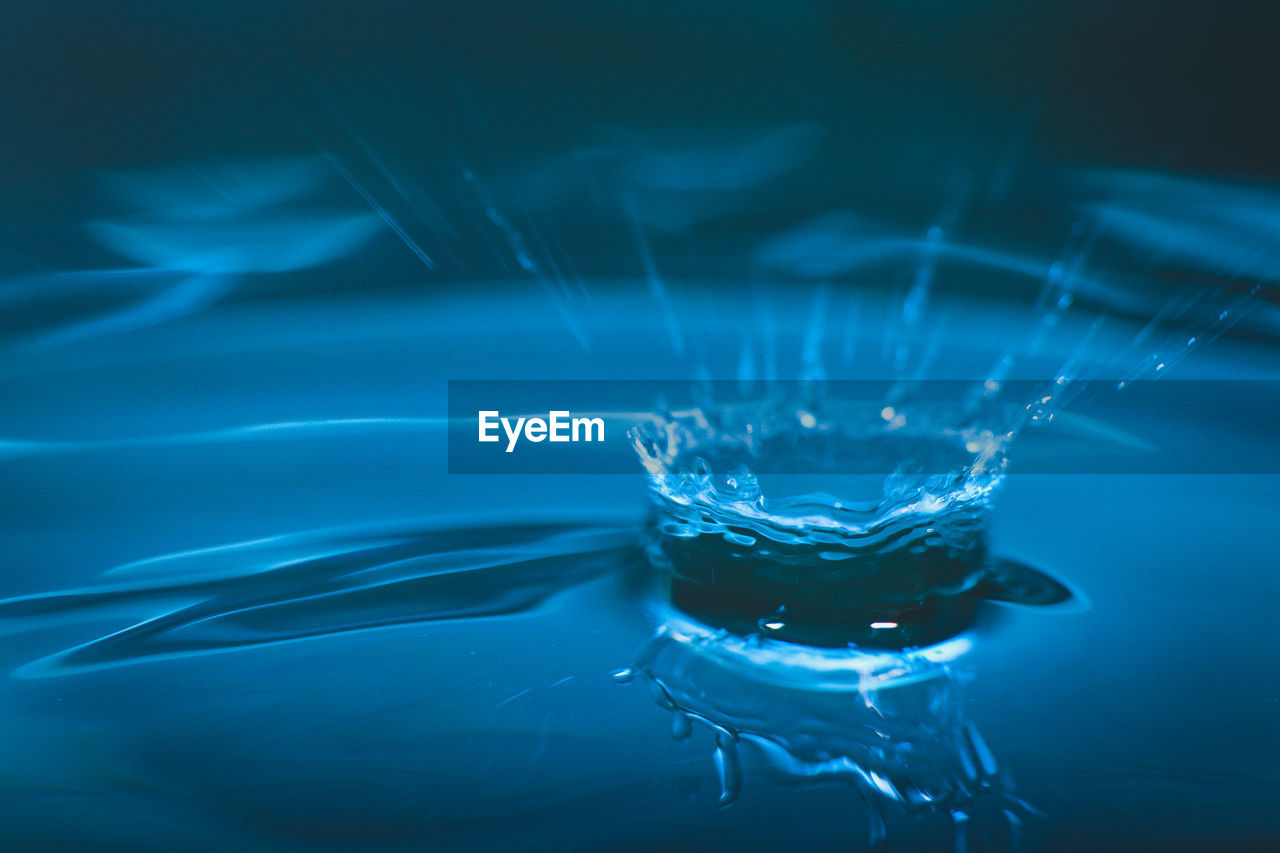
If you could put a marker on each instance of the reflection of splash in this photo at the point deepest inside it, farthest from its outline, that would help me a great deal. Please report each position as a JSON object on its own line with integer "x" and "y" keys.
{"x": 673, "y": 181}
{"x": 843, "y": 243}
{"x": 891, "y": 725}
{"x": 746, "y": 160}
{"x": 312, "y": 585}
{"x": 273, "y": 244}
{"x": 34, "y": 306}
{"x": 193, "y": 232}
{"x": 230, "y": 218}
{"x": 1219, "y": 227}
{"x": 1226, "y": 233}
{"x": 193, "y": 293}
{"x": 216, "y": 189}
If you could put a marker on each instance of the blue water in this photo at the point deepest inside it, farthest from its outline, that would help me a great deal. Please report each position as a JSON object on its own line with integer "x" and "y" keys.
{"x": 392, "y": 655}
{"x": 246, "y": 605}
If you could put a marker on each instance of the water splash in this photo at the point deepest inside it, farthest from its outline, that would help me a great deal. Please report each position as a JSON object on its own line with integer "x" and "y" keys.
{"x": 817, "y": 628}
{"x": 891, "y": 725}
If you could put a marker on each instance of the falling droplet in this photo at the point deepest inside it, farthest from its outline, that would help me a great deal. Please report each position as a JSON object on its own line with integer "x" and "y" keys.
{"x": 622, "y": 676}
{"x": 728, "y": 768}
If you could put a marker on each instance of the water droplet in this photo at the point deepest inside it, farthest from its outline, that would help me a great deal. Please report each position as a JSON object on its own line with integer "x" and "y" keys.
{"x": 623, "y": 676}
{"x": 681, "y": 726}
